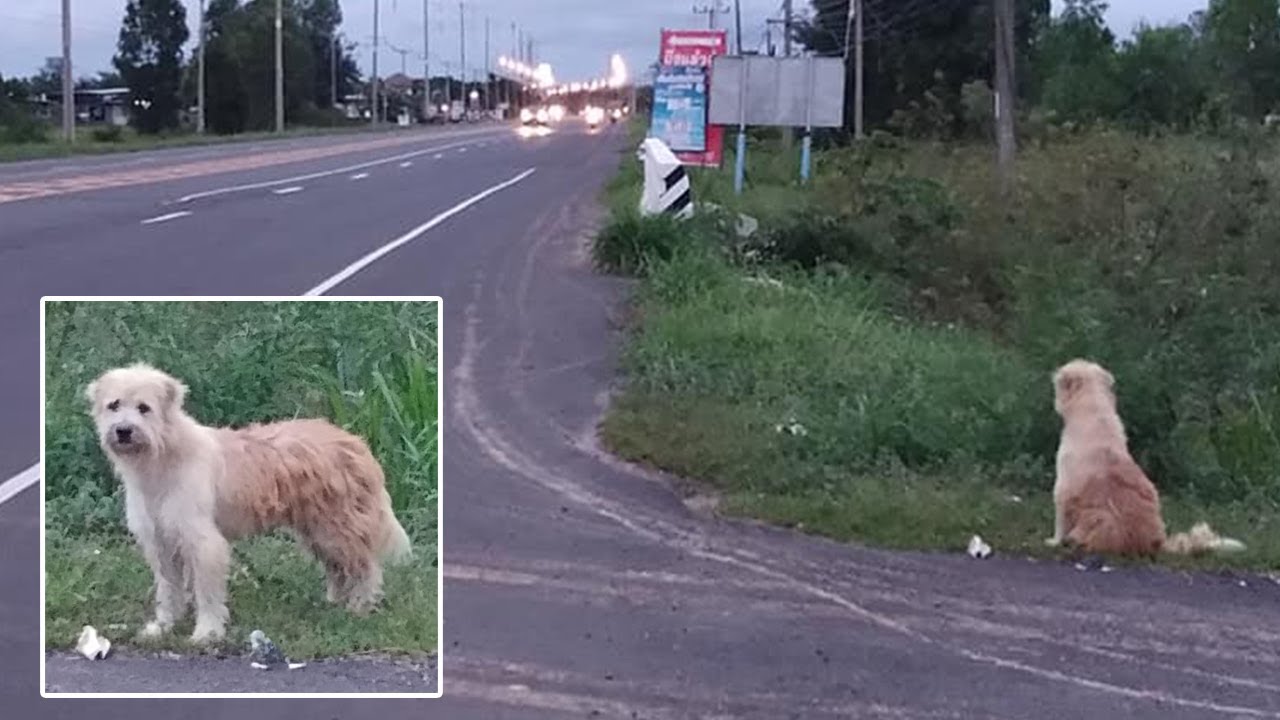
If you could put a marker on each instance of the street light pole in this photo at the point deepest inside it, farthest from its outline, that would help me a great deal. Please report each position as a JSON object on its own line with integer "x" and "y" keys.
{"x": 68, "y": 85}
{"x": 200, "y": 72}
{"x": 737, "y": 21}
{"x": 426, "y": 59}
{"x": 462, "y": 31}
{"x": 279, "y": 66}
{"x": 488, "y": 78}
{"x": 373, "y": 86}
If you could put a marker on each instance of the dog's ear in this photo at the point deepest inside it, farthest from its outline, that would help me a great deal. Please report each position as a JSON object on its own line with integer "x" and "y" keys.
{"x": 175, "y": 392}
{"x": 91, "y": 393}
{"x": 1069, "y": 383}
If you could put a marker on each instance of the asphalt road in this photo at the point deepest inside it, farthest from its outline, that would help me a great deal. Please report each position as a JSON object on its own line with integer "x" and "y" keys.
{"x": 578, "y": 586}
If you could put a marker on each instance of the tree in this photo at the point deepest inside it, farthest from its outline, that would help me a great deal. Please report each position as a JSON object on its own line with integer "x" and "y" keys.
{"x": 149, "y": 60}
{"x": 1244, "y": 45}
{"x": 319, "y": 21}
{"x": 1162, "y": 73}
{"x": 103, "y": 80}
{"x": 1076, "y": 61}
{"x": 226, "y": 101}
{"x": 920, "y": 56}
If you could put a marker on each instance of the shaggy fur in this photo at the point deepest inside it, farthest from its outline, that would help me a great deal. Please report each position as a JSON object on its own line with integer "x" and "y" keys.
{"x": 190, "y": 490}
{"x": 1104, "y": 502}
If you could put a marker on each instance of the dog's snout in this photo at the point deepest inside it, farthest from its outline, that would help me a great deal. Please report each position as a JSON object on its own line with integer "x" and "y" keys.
{"x": 124, "y": 433}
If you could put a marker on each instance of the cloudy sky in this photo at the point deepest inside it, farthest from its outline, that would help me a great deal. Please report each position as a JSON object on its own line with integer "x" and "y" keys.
{"x": 575, "y": 36}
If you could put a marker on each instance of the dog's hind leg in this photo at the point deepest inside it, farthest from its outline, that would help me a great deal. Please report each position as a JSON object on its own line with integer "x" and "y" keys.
{"x": 366, "y": 588}
{"x": 336, "y": 582}
{"x": 209, "y": 554}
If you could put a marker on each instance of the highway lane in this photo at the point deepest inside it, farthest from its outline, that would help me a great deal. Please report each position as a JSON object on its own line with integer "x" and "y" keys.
{"x": 578, "y": 586}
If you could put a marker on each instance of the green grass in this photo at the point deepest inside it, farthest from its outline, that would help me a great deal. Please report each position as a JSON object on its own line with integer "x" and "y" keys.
{"x": 909, "y": 326}
{"x": 369, "y": 367}
{"x": 86, "y": 144}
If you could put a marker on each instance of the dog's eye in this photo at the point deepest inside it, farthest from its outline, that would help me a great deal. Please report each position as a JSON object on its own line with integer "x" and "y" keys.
{"x": 144, "y": 408}
{"x": 114, "y": 405}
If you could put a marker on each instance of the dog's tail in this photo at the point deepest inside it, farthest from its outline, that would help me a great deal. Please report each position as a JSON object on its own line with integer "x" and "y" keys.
{"x": 1201, "y": 538}
{"x": 396, "y": 546}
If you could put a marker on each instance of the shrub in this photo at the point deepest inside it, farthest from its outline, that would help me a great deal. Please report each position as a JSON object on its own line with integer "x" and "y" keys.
{"x": 631, "y": 243}
{"x": 108, "y": 134}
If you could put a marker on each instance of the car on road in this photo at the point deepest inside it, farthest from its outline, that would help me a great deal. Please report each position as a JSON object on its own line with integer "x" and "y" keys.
{"x": 594, "y": 116}
{"x": 529, "y": 116}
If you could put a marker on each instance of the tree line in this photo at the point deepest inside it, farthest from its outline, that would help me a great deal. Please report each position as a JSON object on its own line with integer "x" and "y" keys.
{"x": 928, "y": 65}
{"x": 152, "y": 62}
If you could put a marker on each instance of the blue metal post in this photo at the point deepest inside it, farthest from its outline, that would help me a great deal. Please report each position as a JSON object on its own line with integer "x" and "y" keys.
{"x": 740, "y": 162}
{"x": 806, "y": 157}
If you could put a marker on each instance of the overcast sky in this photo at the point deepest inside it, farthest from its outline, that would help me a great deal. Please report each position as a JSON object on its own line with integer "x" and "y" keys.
{"x": 575, "y": 36}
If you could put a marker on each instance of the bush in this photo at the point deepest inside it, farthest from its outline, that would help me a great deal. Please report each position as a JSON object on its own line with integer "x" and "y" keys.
{"x": 108, "y": 134}
{"x": 1157, "y": 257}
{"x": 368, "y": 366}
{"x": 631, "y": 243}
{"x": 19, "y": 128}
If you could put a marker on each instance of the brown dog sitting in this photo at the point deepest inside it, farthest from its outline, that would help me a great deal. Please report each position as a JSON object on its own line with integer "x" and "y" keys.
{"x": 1103, "y": 501}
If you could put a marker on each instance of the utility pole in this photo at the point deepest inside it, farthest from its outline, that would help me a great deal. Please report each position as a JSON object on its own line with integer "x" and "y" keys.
{"x": 488, "y": 79}
{"x": 1005, "y": 139}
{"x": 373, "y": 87}
{"x": 404, "y": 54}
{"x": 333, "y": 71}
{"x": 710, "y": 10}
{"x": 279, "y": 66}
{"x": 426, "y": 60}
{"x": 200, "y": 70}
{"x": 68, "y": 85}
{"x": 737, "y": 23}
{"x": 855, "y": 23}
{"x": 462, "y": 30}
{"x": 788, "y": 134}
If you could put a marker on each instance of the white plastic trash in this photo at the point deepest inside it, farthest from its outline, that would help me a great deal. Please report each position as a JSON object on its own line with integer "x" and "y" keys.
{"x": 978, "y": 549}
{"x": 92, "y": 645}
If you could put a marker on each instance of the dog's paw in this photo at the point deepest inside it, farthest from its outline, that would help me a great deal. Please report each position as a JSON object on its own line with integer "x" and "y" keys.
{"x": 1052, "y": 542}
{"x": 152, "y": 630}
{"x": 206, "y": 634}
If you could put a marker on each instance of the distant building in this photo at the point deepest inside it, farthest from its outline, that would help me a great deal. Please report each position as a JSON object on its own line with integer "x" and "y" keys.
{"x": 101, "y": 106}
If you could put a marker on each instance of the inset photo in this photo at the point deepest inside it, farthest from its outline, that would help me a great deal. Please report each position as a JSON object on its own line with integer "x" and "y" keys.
{"x": 241, "y": 496}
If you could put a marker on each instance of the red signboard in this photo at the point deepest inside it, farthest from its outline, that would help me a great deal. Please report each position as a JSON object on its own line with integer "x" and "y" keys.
{"x": 696, "y": 48}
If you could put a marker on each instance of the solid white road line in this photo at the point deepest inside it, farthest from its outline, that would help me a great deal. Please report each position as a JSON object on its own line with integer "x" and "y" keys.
{"x": 324, "y": 173}
{"x": 25, "y": 479}
{"x": 359, "y": 176}
{"x": 166, "y": 218}
{"x": 16, "y": 484}
{"x": 410, "y": 236}
{"x": 288, "y": 190}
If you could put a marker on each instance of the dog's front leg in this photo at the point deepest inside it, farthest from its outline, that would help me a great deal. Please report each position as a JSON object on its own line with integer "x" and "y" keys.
{"x": 1059, "y": 523}
{"x": 170, "y": 591}
{"x": 209, "y": 556}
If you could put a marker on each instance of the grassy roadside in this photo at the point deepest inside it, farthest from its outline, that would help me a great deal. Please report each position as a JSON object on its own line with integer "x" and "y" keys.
{"x": 129, "y": 141}
{"x": 370, "y": 367}
{"x": 874, "y": 365}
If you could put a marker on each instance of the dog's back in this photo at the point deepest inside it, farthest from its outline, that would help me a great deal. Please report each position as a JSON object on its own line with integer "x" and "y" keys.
{"x": 298, "y": 473}
{"x": 1116, "y": 508}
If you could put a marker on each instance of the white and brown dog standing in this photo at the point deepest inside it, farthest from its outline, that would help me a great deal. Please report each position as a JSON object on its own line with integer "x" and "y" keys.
{"x": 190, "y": 490}
{"x": 1103, "y": 501}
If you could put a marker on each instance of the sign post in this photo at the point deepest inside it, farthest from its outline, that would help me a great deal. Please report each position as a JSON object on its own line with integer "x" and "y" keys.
{"x": 681, "y": 96}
